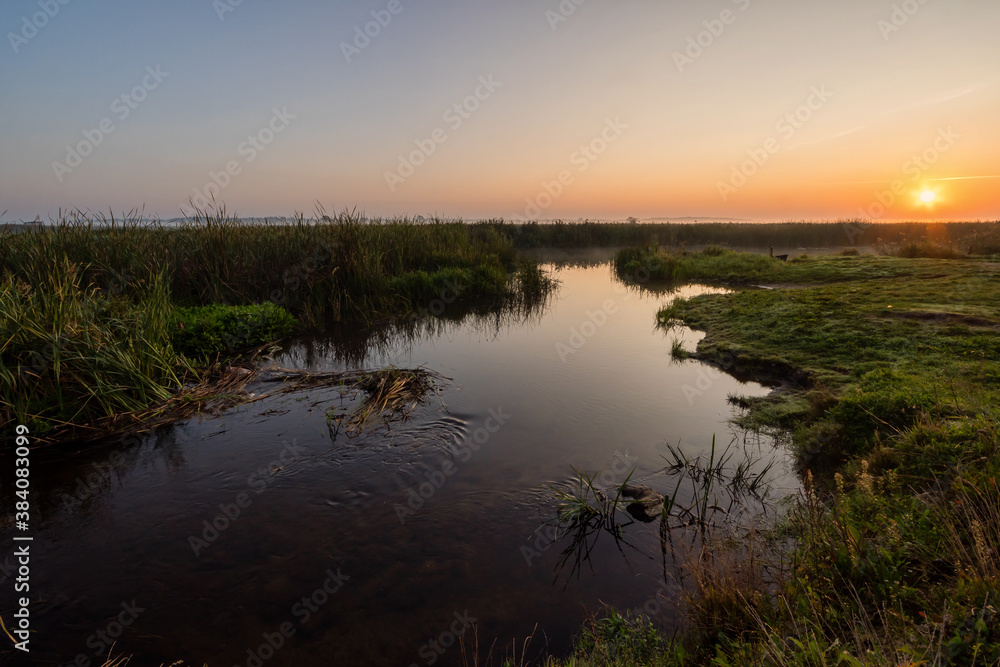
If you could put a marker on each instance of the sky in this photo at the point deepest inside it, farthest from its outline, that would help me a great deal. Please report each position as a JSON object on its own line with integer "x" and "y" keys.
{"x": 544, "y": 109}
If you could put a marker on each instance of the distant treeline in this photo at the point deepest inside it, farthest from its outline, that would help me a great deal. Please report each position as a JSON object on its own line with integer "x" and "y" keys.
{"x": 969, "y": 237}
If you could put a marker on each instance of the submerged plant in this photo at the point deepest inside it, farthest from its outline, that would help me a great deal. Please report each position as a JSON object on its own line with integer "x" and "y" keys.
{"x": 584, "y": 503}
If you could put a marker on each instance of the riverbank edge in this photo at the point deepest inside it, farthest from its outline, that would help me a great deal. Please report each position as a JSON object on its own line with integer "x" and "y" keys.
{"x": 893, "y": 558}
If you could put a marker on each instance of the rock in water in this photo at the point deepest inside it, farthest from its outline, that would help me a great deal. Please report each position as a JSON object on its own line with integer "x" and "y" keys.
{"x": 648, "y": 504}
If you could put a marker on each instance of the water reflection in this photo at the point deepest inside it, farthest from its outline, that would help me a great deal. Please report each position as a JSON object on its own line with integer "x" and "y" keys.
{"x": 353, "y": 345}
{"x": 436, "y": 515}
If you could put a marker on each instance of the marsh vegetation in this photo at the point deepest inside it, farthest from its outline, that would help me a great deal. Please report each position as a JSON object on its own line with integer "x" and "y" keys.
{"x": 102, "y": 316}
{"x": 887, "y": 371}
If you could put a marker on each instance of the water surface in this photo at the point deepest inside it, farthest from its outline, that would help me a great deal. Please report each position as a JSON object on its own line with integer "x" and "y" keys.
{"x": 125, "y": 549}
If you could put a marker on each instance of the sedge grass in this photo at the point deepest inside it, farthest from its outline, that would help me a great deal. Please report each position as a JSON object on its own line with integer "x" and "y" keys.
{"x": 103, "y": 316}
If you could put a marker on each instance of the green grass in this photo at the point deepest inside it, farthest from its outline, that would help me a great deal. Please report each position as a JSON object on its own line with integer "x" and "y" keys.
{"x": 101, "y": 316}
{"x": 720, "y": 265}
{"x": 892, "y": 339}
{"x": 70, "y": 352}
{"x": 206, "y": 331}
{"x": 890, "y": 377}
{"x": 622, "y": 640}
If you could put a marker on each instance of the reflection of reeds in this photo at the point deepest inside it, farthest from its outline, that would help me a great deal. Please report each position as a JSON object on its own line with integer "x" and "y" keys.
{"x": 725, "y": 496}
{"x": 585, "y": 512}
{"x": 351, "y": 346}
{"x": 718, "y": 487}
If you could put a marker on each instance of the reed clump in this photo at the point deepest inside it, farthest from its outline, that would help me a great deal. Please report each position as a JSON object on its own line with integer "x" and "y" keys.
{"x": 390, "y": 395}
{"x": 72, "y": 353}
{"x": 104, "y": 315}
{"x": 329, "y": 268}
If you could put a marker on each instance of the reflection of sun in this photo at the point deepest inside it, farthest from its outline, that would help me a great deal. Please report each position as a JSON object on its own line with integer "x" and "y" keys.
{"x": 927, "y": 196}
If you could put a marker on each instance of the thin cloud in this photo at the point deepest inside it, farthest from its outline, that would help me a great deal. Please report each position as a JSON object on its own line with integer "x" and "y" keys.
{"x": 962, "y": 178}
{"x": 947, "y": 97}
{"x": 926, "y": 180}
{"x": 832, "y": 136}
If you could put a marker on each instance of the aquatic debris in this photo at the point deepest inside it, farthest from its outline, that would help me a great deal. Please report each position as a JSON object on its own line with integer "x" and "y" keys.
{"x": 391, "y": 395}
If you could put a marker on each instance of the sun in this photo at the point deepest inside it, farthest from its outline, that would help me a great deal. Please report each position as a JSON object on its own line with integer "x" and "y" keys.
{"x": 927, "y": 196}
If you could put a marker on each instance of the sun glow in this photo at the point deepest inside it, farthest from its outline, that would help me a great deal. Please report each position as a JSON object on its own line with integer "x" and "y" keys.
{"x": 928, "y": 196}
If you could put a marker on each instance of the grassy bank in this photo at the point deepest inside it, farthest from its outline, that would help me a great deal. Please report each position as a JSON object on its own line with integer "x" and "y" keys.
{"x": 968, "y": 237}
{"x": 889, "y": 372}
{"x": 106, "y": 316}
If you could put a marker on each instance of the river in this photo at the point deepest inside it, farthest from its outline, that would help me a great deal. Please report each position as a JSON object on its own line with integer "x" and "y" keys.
{"x": 263, "y": 537}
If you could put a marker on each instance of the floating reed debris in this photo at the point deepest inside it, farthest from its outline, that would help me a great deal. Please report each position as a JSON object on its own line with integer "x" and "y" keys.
{"x": 390, "y": 394}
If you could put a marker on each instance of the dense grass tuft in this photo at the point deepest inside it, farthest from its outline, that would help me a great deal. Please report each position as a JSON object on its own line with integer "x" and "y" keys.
{"x": 72, "y": 353}
{"x": 207, "y": 331}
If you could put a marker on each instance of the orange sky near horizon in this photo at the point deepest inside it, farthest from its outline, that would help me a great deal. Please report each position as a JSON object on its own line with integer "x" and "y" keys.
{"x": 740, "y": 109}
